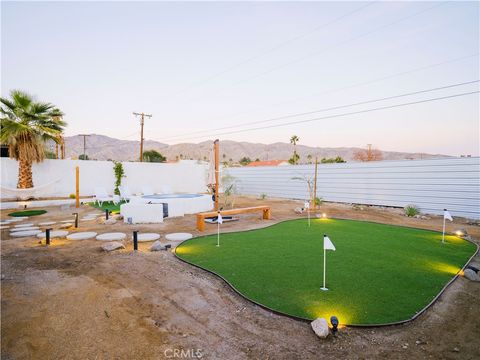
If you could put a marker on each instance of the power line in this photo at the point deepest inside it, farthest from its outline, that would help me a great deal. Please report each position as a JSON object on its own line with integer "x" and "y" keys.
{"x": 273, "y": 48}
{"x": 330, "y": 108}
{"x": 318, "y": 52}
{"x": 338, "y": 115}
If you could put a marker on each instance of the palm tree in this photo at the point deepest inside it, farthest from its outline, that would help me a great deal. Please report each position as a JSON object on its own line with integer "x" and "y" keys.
{"x": 25, "y": 127}
{"x": 293, "y": 140}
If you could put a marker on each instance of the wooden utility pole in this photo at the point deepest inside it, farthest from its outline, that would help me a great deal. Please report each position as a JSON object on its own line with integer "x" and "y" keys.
{"x": 216, "y": 148}
{"x": 315, "y": 185}
{"x": 142, "y": 121}
{"x": 84, "y": 145}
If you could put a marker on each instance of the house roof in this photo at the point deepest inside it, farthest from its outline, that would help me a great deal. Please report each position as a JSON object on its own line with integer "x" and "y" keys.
{"x": 267, "y": 163}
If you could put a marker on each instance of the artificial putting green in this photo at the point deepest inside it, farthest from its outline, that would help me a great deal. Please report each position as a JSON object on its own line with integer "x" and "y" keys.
{"x": 27, "y": 213}
{"x": 378, "y": 273}
{"x": 108, "y": 205}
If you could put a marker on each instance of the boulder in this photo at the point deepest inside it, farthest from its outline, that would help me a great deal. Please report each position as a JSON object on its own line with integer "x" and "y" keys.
{"x": 114, "y": 245}
{"x": 320, "y": 327}
{"x": 157, "y": 246}
{"x": 110, "y": 221}
{"x": 471, "y": 275}
{"x": 298, "y": 210}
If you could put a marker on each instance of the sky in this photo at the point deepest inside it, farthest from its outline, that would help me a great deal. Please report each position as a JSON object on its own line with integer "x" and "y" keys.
{"x": 202, "y": 66}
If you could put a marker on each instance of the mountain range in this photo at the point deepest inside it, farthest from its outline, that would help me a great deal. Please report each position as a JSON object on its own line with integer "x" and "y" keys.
{"x": 102, "y": 147}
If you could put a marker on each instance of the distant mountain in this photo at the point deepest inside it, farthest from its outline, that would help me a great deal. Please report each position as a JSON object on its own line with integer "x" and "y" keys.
{"x": 102, "y": 147}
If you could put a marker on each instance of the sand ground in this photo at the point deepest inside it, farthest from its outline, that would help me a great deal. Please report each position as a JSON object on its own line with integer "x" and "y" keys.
{"x": 73, "y": 301}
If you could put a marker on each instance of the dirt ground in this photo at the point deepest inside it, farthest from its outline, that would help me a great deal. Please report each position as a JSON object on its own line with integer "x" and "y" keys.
{"x": 73, "y": 301}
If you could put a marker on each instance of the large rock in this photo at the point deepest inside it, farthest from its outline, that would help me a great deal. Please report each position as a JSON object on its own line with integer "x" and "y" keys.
{"x": 114, "y": 245}
{"x": 298, "y": 210}
{"x": 109, "y": 221}
{"x": 471, "y": 275}
{"x": 320, "y": 327}
{"x": 157, "y": 246}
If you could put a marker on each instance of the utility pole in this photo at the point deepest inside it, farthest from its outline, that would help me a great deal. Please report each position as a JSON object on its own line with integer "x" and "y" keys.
{"x": 142, "y": 121}
{"x": 84, "y": 145}
{"x": 369, "y": 152}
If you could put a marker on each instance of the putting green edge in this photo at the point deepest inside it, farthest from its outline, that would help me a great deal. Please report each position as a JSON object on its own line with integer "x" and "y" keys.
{"x": 309, "y": 320}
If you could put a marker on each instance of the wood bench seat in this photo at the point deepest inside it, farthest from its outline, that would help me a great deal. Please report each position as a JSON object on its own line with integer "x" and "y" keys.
{"x": 201, "y": 216}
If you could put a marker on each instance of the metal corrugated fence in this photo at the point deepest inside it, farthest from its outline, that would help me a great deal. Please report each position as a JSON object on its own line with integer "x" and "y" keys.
{"x": 432, "y": 185}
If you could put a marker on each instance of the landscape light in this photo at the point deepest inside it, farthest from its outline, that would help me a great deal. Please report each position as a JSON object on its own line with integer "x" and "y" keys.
{"x": 334, "y": 322}
{"x": 324, "y": 215}
{"x": 460, "y": 232}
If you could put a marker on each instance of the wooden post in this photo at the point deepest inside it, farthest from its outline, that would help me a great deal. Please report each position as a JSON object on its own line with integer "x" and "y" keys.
{"x": 56, "y": 151}
{"x": 62, "y": 148}
{"x": 315, "y": 185}
{"x": 77, "y": 187}
{"x": 216, "y": 148}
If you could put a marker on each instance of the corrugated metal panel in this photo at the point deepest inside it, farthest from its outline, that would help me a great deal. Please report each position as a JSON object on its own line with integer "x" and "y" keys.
{"x": 432, "y": 185}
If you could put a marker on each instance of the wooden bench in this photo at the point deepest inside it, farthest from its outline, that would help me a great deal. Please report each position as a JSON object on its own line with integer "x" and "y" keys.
{"x": 201, "y": 216}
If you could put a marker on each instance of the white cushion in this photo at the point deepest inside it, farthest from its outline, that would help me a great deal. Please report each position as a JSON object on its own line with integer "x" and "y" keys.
{"x": 82, "y": 235}
{"x": 114, "y": 236}
{"x": 178, "y": 236}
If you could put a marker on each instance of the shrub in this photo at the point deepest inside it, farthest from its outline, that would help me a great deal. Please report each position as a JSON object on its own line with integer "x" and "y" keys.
{"x": 263, "y": 196}
{"x": 72, "y": 196}
{"x": 318, "y": 201}
{"x": 119, "y": 174}
{"x": 411, "y": 210}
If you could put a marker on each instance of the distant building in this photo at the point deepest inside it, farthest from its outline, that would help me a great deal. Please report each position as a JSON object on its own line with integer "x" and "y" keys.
{"x": 268, "y": 163}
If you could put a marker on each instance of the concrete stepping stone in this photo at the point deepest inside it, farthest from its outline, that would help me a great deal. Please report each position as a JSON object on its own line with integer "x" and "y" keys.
{"x": 25, "y": 233}
{"x": 68, "y": 221}
{"x": 65, "y": 226}
{"x": 178, "y": 236}
{"x": 3, "y": 227}
{"x": 28, "y": 228}
{"x": 114, "y": 245}
{"x": 53, "y": 234}
{"x": 24, "y": 225}
{"x": 17, "y": 219}
{"x": 82, "y": 235}
{"x": 6, "y": 222}
{"x": 114, "y": 236}
{"x": 144, "y": 237}
{"x": 46, "y": 223}
{"x": 88, "y": 219}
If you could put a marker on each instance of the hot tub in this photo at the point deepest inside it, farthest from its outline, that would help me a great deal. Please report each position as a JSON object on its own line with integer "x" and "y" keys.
{"x": 178, "y": 204}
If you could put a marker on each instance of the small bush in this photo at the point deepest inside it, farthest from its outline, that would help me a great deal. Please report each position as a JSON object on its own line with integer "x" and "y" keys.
{"x": 72, "y": 196}
{"x": 411, "y": 210}
{"x": 263, "y": 196}
{"x": 318, "y": 201}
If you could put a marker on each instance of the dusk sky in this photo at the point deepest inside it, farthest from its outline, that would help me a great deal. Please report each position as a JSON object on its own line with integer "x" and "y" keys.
{"x": 199, "y": 66}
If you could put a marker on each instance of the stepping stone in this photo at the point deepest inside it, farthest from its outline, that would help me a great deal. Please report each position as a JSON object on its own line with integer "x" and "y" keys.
{"x": 88, "y": 219}
{"x": 143, "y": 237}
{"x": 6, "y": 222}
{"x": 27, "y": 228}
{"x": 4, "y": 227}
{"x": 114, "y": 236}
{"x": 17, "y": 219}
{"x": 25, "y": 233}
{"x": 65, "y": 226}
{"x": 67, "y": 221}
{"x": 114, "y": 245}
{"x": 53, "y": 234}
{"x": 110, "y": 221}
{"x": 178, "y": 236}
{"x": 82, "y": 235}
{"x": 23, "y": 225}
{"x": 46, "y": 223}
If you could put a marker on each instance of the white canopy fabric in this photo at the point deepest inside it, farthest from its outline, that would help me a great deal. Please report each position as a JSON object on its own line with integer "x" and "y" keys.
{"x": 25, "y": 194}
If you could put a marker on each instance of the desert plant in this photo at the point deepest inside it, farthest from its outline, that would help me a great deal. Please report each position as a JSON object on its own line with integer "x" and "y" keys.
{"x": 25, "y": 127}
{"x": 318, "y": 201}
{"x": 295, "y": 157}
{"x": 263, "y": 196}
{"x": 230, "y": 190}
{"x": 411, "y": 210}
{"x": 153, "y": 156}
{"x": 119, "y": 174}
{"x": 72, "y": 196}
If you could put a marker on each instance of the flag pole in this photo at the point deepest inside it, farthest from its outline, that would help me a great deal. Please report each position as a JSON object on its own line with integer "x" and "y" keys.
{"x": 324, "y": 268}
{"x": 443, "y": 233}
{"x": 219, "y": 219}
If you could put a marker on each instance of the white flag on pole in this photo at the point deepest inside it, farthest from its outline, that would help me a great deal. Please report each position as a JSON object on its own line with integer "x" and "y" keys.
{"x": 306, "y": 205}
{"x": 220, "y": 219}
{"x": 446, "y": 215}
{"x": 327, "y": 243}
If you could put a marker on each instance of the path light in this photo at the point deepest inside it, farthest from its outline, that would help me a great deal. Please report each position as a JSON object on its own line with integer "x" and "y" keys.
{"x": 76, "y": 219}
{"x": 135, "y": 240}
{"x": 334, "y": 322}
{"x": 460, "y": 232}
{"x": 324, "y": 216}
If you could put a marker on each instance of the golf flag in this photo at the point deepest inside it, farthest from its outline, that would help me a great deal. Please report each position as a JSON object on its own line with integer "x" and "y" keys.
{"x": 327, "y": 243}
{"x": 220, "y": 219}
{"x": 446, "y": 215}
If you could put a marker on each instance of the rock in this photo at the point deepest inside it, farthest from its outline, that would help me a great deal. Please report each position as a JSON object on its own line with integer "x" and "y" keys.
{"x": 417, "y": 216}
{"x": 157, "y": 246}
{"x": 110, "y": 221}
{"x": 320, "y": 327}
{"x": 474, "y": 268}
{"x": 298, "y": 210}
{"x": 423, "y": 217}
{"x": 114, "y": 245}
{"x": 65, "y": 225}
{"x": 118, "y": 217}
{"x": 456, "y": 349}
{"x": 471, "y": 275}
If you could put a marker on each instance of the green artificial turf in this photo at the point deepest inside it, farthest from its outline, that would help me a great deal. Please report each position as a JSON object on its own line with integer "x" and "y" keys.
{"x": 378, "y": 273}
{"x": 27, "y": 213}
{"x": 114, "y": 209}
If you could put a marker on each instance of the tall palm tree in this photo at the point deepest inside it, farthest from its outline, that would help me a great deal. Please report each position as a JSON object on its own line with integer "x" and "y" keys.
{"x": 25, "y": 127}
{"x": 293, "y": 140}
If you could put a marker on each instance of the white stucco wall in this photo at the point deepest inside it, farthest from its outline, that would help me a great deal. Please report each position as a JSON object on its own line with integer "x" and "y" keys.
{"x": 180, "y": 177}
